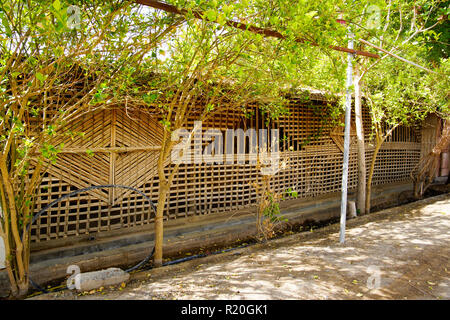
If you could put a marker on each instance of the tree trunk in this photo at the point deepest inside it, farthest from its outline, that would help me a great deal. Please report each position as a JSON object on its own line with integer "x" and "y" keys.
{"x": 159, "y": 224}
{"x": 17, "y": 266}
{"x": 361, "y": 191}
{"x": 262, "y": 192}
{"x": 23, "y": 289}
{"x": 15, "y": 247}
{"x": 371, "y": 171}
{"x": 164, "y": 187}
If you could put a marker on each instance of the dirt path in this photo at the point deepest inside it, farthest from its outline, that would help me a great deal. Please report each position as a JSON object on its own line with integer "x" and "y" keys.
{"x": 399, "y": 253}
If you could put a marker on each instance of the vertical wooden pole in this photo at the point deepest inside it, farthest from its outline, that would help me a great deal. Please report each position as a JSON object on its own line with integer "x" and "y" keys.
{"x": 112, "y": 157}
{"x": 348, "y": 110}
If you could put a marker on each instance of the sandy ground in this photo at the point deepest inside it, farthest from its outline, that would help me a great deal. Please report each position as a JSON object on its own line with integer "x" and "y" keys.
{"x": 399, "y": 253}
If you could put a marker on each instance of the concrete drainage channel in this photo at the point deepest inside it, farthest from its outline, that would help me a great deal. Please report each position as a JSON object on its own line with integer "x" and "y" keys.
{"x": 88, "y": 281}
{"x": 51, "y": 267}
{"x": 50, "y": 271}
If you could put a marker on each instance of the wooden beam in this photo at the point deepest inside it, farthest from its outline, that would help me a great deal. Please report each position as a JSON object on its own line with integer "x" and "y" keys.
{"x": 242, "y": 26}
{"x": 110, "y": 149}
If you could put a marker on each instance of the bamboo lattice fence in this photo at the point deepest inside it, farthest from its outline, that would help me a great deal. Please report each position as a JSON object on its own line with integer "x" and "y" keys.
{"x": 124, "y": 145}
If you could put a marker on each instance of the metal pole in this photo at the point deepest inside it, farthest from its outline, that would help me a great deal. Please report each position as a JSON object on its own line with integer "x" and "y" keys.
{"x": 348, "y": 109}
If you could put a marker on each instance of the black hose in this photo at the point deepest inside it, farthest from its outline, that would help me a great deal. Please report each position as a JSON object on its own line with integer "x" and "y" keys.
{"x": 143, "y": 262}
{"x": 140, "y": 264}
{"x": 202, "y": 255}
{"x": 70, "y": 194}
{"x": 36, "y": 286}
{"x": 168, "y": 263}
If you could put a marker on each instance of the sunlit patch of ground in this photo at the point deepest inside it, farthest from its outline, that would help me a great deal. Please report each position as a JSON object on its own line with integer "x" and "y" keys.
{"x": 401, "y": 255}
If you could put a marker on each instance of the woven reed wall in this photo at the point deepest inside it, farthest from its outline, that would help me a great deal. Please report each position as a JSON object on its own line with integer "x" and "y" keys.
{"x": 311, "y": 156}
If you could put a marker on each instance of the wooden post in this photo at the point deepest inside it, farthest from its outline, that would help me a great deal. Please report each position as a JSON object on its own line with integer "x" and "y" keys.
{"x": 112, "y": 157}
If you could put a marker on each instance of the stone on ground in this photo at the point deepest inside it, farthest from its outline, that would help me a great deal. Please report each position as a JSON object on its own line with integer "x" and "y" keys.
{"x": 102, "y": 278}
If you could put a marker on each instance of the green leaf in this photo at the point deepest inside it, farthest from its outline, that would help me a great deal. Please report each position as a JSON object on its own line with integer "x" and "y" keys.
{"x": 211, "y": 15}
{"x": 40, "y": 77}
{"x": 5, "y": 24}
{"x": 221, "y": 20}
{"x": 149, "y": 98}
{"x": 57, "y": 5}
{"x": 227, "y": 9}
{"x": 311, "y": 14}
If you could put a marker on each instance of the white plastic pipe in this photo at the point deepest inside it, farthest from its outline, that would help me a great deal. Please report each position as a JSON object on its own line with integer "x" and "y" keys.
{"x": 348, "y": 109}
